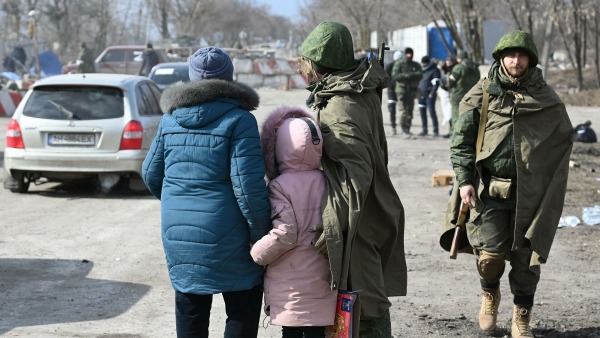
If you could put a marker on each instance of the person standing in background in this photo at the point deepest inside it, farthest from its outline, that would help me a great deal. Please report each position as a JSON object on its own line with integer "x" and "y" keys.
{"x": 15, "y": 62}
{"x": 391, "y": 91}
{"x": 149, "y": 60}
{"x": 85, "y": 60}
{"x": 428, "y": 87}
{"x": 406, "y": 75}
{"x": 206, "y": 167}
{"x": 444, "y": 93}
{"x": 463, "y": 77}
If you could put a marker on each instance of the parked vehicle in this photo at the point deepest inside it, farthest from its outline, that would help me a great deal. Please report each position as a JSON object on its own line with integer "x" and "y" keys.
{"x": 126, "y": 59}
{"x": 77, "y": 126}
{"x": 165, "y": 74}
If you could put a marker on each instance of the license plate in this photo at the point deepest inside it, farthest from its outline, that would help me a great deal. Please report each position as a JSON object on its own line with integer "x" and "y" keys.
{"x": 71, "y": 139}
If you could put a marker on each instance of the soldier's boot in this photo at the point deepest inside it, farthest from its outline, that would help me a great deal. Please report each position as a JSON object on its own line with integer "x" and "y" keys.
{"x": 491, "y": 267}
{"x": 488, "y": 314}
{"x": 520, "y": 322}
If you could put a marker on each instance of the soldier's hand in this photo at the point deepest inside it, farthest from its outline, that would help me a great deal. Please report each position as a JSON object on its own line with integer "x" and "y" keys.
{"x": 321, "y": 243}
{"x": 468, "y": 195}
{"x": 316, "y": 228}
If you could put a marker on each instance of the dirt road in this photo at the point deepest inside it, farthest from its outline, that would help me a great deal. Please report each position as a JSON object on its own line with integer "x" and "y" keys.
{"x": 77, "y": 264}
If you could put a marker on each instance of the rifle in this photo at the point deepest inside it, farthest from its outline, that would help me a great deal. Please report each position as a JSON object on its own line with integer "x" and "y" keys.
{"x": 460, "y": 227}
{"x": 380, "y": 59}
{"x": 381, "y": 53}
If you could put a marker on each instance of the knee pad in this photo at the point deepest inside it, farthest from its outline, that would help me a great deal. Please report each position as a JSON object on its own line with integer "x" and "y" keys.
{"x": 491, "y": 265}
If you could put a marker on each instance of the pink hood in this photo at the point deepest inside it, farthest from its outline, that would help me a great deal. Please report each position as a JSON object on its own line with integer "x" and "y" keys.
{"x": 287, "y": 143}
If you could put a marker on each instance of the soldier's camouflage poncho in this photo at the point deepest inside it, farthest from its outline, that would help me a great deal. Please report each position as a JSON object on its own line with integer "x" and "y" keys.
{"x": 530, "y": 113}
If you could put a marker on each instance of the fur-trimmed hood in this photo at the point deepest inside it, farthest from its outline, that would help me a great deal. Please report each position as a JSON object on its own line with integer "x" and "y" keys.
{"x": 198, "y": 92}
{"x": 268, "y": 138}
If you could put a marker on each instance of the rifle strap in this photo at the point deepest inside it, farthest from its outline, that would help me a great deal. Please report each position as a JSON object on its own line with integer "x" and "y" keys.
{"x": 482, "y": 118}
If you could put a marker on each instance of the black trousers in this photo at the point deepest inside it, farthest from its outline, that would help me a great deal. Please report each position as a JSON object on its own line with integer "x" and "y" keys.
{"x": 192, "y": 313}
{"x": 392, "y": 111}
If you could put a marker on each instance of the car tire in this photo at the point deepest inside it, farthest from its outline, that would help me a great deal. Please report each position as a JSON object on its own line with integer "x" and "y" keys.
{"x": 22, "y": 185}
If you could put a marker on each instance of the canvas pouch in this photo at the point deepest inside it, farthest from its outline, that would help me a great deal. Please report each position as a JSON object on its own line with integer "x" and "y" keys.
{"x": 500, "y": 187}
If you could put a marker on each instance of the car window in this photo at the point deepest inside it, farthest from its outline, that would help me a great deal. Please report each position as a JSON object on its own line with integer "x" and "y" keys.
{"x": 75, "y": 103}
{"x": 150, "y": 100}
{"x": 156, "y": 91}
{"x": 114, "y": 56}
{"x": 142, "y": 106}
{"x": 169, "y": 75}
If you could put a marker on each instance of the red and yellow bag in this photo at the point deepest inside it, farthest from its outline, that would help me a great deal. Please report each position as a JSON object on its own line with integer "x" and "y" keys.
{"x": 347, "y": 316}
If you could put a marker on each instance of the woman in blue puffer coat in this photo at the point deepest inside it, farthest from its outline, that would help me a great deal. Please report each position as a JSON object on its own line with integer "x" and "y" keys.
{"x": 207, "y": 168}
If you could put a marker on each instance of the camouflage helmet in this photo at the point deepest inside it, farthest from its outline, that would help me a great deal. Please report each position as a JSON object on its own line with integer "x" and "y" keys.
{"x": 520, "y": 40}
{"x": 329, "y": 45}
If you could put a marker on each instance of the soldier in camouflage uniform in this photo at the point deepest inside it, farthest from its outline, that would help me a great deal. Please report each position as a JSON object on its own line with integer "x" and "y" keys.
{"x": 85, "y": 60}
{"x": 462, "y": 78}
{"x": 406, "y": 74}
{"x": 516, "y": 183}
{"x": 363, "y": 217}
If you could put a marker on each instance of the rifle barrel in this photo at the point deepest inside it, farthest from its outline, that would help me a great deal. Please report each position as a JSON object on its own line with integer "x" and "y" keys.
{"x": 381, "y": 53}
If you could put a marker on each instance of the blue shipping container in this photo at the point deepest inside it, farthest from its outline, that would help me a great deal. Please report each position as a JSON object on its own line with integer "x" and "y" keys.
{"x": 437, "y": 50}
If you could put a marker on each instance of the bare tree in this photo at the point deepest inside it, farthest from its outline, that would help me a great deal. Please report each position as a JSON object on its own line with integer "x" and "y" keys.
{"x": 521, "y": 11}
{"x": 104, "y": 22}
{"x": 56, "y": 24}
{"x": 446, "y": 13}
{"x": 572, "y": 29}
{"x": 161, "y": 10}
{"x": 360, "y": 16}
{"x": 14, "y": 10}
{"x": 360, "y": 13}
{"x": 464, "y": 20}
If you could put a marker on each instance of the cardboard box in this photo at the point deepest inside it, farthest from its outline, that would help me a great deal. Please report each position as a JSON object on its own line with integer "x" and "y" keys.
{"x": 442, "y": 178}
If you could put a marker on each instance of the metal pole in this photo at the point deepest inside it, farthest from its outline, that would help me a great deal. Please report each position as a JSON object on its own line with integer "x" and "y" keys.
{"x": 149, "y": 21}
{"x": 34, "y": 14}
{"x": 36, "y": 48}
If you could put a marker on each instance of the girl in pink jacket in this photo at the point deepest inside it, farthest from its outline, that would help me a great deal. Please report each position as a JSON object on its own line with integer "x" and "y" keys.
{"x": 297, "y": 292}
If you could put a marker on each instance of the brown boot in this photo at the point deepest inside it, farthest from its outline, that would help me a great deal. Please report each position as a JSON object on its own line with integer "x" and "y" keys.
{"x": 488, "y": 314}
{"x": 520, "y": 322}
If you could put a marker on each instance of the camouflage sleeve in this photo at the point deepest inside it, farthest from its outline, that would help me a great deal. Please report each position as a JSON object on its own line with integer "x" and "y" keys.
{"x": 462, "y": 148}
{"x": 417, "y": 74}
{"x": 455, "y": 75}
{"x": 397, "y": 73}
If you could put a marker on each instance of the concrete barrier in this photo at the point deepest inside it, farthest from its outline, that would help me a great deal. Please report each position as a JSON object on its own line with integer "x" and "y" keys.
{"x": 278, "y": 73}
{"x": 9, "y": 100}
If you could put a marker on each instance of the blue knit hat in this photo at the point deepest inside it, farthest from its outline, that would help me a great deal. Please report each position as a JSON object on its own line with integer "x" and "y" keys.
{"x": 210, "y": 63}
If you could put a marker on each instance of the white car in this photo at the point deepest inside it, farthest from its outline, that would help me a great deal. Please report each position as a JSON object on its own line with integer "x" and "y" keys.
{"x": 76, "y": 126}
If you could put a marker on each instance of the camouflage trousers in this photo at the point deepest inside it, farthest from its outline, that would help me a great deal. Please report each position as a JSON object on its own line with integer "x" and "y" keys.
{"x": 493, "y": 231}
{"x": 405, "y": 108}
